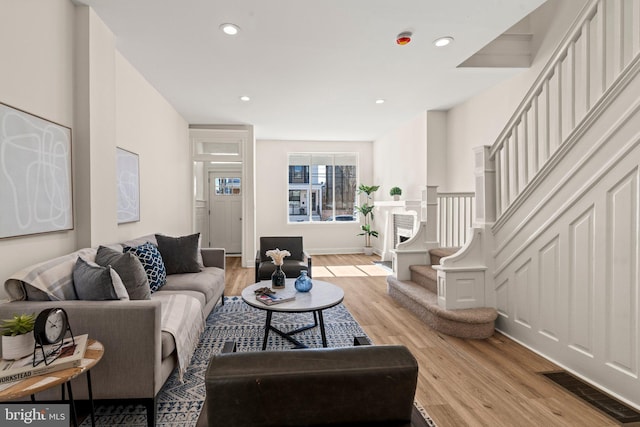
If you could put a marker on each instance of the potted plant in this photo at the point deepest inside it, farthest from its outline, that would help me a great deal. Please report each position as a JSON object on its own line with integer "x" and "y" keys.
{"x": 396, "y": 192}
{"x": 17, "y": 336}
{"x": 366, "y": 209}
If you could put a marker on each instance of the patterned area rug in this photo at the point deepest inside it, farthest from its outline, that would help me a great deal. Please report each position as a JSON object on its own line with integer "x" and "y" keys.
{"x": 179, "y": 403}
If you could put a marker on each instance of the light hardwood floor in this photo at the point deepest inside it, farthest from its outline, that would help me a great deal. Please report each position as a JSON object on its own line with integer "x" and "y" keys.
{"x": 493, "y": 382}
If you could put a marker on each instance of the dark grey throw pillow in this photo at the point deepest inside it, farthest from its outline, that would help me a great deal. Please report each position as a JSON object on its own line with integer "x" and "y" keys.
{"x": 130, "y": 270}
{"x": 96, "y": 283}
{"x": 180, "y": 254}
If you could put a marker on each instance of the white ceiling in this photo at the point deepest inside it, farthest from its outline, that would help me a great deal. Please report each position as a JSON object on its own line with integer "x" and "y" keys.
{"x": 313, "y": 68}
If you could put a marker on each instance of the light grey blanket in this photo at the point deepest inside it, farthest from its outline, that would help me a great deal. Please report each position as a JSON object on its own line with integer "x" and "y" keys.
{"x": 182, "y": 318}
{"x": 53, "y": 277}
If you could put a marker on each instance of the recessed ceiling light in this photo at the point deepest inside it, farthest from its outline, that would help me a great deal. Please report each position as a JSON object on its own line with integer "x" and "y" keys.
{"x": 379, "y": 101}
{"x": 245, "y": 98}
{"x": 443, "y": 41}
{"x": 230, "y": 29}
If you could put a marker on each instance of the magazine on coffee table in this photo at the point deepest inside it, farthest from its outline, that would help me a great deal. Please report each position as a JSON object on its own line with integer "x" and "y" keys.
{"x": 276, "y": 298}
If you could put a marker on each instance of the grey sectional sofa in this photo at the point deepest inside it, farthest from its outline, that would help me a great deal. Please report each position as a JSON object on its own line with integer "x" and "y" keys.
{"x": 140, "y": 353}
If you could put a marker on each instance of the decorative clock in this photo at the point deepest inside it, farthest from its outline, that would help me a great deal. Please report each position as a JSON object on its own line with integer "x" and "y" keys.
{"x": 50, "y": 329}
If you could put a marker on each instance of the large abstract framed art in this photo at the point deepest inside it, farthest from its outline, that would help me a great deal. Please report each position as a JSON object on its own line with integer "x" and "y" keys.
{"x": 36, "y": 194}
{"x": 128, "y": 186}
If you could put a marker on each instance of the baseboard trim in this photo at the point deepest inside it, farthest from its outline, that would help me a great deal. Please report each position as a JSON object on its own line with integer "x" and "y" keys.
{"x": 568, "y": 369}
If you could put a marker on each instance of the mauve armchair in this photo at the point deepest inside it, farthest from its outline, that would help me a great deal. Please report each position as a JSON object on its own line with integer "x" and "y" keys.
{"x": 299, "y": 259}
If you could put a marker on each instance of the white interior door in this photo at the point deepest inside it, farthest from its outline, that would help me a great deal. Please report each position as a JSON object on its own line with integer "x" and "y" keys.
{"x": 225, "y": 211}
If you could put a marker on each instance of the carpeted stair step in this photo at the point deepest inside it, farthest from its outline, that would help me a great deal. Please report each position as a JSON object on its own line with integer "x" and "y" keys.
{"x": 436, "y": 254}
{"x": 425, "y": 276}
{"x": 477, "y": 323}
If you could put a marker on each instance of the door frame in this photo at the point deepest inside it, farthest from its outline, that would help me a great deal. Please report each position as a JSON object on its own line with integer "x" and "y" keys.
{"x": 243, "y": 137}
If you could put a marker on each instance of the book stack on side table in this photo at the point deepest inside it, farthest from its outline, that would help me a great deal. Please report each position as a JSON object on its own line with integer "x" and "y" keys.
{"x": 70, "y": 356}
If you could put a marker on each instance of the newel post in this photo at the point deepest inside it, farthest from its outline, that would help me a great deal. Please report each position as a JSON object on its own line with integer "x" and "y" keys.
{"x": 465, "y": 279}
{"x": 485, "y": 175}
{"x": 486, "y": 214}
{"x": 430, "y": 213}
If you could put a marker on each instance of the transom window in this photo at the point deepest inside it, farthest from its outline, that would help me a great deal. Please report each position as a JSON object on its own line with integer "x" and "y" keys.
{"x": 322, "y": 187}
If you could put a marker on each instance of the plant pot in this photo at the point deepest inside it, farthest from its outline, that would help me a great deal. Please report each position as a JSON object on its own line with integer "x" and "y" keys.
{"x": 368, "y": 250}
{"x": 396, "y": 198}
{"x": 18, "y": 346}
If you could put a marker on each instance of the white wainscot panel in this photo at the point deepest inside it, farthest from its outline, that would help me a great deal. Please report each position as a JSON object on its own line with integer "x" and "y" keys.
{"x": 502, "y": 299}
{"x": 465, "y": 289}
{"x": 549, "y": 262}
{"x": 469, "y": 288}
{"x": 581, "y": 282}
{"x": 522, "y": 285}
{"x": 622, "y": 280}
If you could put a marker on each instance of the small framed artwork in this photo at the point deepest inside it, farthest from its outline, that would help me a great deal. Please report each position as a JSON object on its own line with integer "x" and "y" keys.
{"x": 128, "y": 186}
{"x": 36, "y": 194}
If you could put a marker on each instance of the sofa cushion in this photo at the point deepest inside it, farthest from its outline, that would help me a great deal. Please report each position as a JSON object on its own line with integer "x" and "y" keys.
{"x": 152, "y": 262}
{"x": 130, "y": 270}
{"x": 96, "y": 283}
{"x": 151, "y": 238}
{"x": 180, "y": 254}
{"x": 206, "y": 282}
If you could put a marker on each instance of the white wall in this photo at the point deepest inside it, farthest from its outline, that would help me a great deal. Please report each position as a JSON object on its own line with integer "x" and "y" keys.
{"x": 400, "y": 160}
{"x": 36, "y": 47}
{"x": 60, "y": 63}
{"x": 102, "y": 132}
{"x": 149, "y": 126}
{"x": 271, "y": 169}
{"x": 479, "y": 120}
{"x": 437, "y": 149}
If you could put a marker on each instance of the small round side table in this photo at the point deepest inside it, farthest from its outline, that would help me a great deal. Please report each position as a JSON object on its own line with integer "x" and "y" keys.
{"x": 31, "y": 386}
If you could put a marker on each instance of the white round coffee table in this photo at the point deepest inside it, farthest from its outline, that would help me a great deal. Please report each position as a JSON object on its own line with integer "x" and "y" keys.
{"x": 322, "y": 295}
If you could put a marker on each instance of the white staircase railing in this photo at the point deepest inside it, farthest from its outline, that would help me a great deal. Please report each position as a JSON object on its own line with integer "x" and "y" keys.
{"x": 604, "y": 40}
{"x": 455, "y": 217}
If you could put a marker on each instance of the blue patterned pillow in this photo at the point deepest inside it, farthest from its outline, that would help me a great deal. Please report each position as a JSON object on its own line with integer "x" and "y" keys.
{"x": 151, "y": 260}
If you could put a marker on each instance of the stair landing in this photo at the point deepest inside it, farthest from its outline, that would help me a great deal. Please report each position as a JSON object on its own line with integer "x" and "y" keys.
{"x": 420, "y": 296}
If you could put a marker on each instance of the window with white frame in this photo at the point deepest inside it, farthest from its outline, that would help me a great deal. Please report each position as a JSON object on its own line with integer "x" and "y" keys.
{"x": 322, "y": 187}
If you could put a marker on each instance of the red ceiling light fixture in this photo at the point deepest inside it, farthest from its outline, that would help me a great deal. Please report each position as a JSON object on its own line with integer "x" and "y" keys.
{"x": 404, "y": 38}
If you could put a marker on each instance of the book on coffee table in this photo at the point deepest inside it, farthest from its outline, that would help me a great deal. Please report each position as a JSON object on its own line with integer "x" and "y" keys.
{"x": 277, "y": 298}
